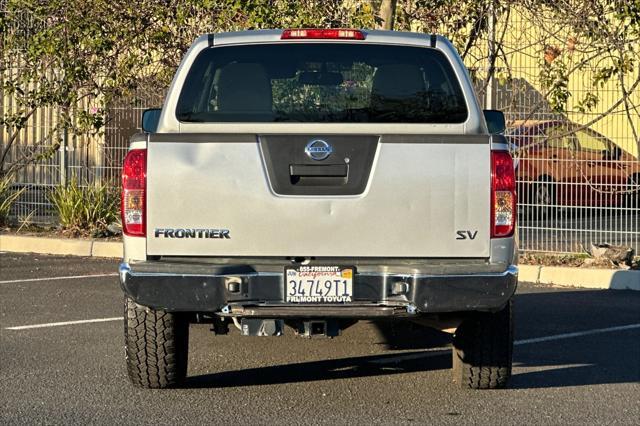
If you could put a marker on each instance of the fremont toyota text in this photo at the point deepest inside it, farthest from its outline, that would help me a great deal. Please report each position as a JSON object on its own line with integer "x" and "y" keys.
{"x": 301, "y": 180}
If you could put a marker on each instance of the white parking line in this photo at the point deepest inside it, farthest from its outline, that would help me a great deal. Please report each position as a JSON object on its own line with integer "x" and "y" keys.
{"x": 73, "y": 277}
{"x": 443, "y": 351}
{"x": 429, "y": 353}
{"x": 576, "y": 334}
{"x": 57, "y": 324}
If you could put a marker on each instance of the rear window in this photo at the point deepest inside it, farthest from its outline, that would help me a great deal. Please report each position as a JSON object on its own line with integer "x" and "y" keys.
{"x": 321, "y": 82}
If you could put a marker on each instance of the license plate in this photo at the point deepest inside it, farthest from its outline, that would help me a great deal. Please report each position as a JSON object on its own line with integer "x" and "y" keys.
{"x": 319, "y": 284}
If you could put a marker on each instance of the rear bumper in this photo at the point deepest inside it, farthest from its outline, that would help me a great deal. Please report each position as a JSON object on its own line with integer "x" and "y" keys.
{"x": 243, "y": 291}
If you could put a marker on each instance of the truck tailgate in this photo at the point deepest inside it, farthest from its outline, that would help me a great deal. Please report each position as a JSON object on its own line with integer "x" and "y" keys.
{"x": 417, "y": 197}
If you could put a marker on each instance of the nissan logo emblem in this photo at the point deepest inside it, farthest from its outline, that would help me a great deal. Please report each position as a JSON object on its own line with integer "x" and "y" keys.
{"x": 318, "y": 149}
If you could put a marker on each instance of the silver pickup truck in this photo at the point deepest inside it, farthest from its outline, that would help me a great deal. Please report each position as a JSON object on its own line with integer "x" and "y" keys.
{"x": 301, "y": 180}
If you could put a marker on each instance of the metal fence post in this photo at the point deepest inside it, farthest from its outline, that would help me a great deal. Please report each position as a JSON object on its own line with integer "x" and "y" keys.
{"x": 489, "y": 99}
{"x": 63, "y": 156}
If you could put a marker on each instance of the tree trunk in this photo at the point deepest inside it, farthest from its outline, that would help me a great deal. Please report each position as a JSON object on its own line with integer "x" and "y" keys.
{"x": 388, "y": 14}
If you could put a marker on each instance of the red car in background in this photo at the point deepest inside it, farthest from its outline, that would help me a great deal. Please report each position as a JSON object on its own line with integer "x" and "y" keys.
{"x": 561, "y": 164}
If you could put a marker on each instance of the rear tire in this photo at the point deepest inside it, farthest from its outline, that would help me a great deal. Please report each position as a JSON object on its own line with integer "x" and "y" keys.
{"x": 156, "y": 346}
{"x": 543, "y": 198}
{"x": 482, "y": 350}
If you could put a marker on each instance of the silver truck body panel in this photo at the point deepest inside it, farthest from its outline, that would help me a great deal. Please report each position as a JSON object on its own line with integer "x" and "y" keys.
{"x": 417, "y": 197}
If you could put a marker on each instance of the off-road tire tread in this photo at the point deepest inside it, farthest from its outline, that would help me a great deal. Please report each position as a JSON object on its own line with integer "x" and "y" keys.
{"x": 156, "y": 346}
{"x": 482, "y": 352}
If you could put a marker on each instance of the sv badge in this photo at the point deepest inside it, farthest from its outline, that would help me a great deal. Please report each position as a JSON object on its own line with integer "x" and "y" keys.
{"x": 466, "y": 235}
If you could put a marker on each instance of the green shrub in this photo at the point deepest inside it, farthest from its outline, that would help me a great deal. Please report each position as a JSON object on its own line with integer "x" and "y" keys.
{"x": 89, "y": 207}
{"x": 7, "y": 198}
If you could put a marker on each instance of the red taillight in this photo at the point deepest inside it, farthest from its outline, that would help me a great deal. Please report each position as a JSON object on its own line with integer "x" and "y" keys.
{"x": 503, "y": 195}
{"x": 134, "y": 185}
{"x": 335, "y": 33}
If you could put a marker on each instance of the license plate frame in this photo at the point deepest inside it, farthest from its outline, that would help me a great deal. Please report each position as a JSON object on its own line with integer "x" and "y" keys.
{"x": 319, "y": 284}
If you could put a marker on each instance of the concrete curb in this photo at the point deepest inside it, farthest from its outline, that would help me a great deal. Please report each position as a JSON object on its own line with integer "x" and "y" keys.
{"x": 64, "y": 246}
{"x": 616, "y": 279}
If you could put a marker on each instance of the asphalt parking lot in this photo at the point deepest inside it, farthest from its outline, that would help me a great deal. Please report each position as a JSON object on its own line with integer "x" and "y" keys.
{"x": 576, "y": 361}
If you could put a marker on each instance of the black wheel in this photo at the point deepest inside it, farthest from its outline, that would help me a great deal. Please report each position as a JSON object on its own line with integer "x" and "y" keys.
{"x": 482, "y": 348}
{"x": 542, "y": 198}
{"x": 156, "y": 346}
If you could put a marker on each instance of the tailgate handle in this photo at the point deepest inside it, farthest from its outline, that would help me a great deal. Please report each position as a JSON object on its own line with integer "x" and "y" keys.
{"x": 331, "y": 174}
{"x": 332, "y": 170}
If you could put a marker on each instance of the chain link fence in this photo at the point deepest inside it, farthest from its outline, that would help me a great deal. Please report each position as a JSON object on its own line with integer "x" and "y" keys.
{"x": 578, "y": 172}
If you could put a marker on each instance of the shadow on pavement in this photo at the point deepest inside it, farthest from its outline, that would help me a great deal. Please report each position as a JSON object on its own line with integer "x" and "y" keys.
{"x": 410, "y": 336}
{"x": 612, "y": 357}
{"x": 587, "y": 360}
{"x": 330, "y": 369}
